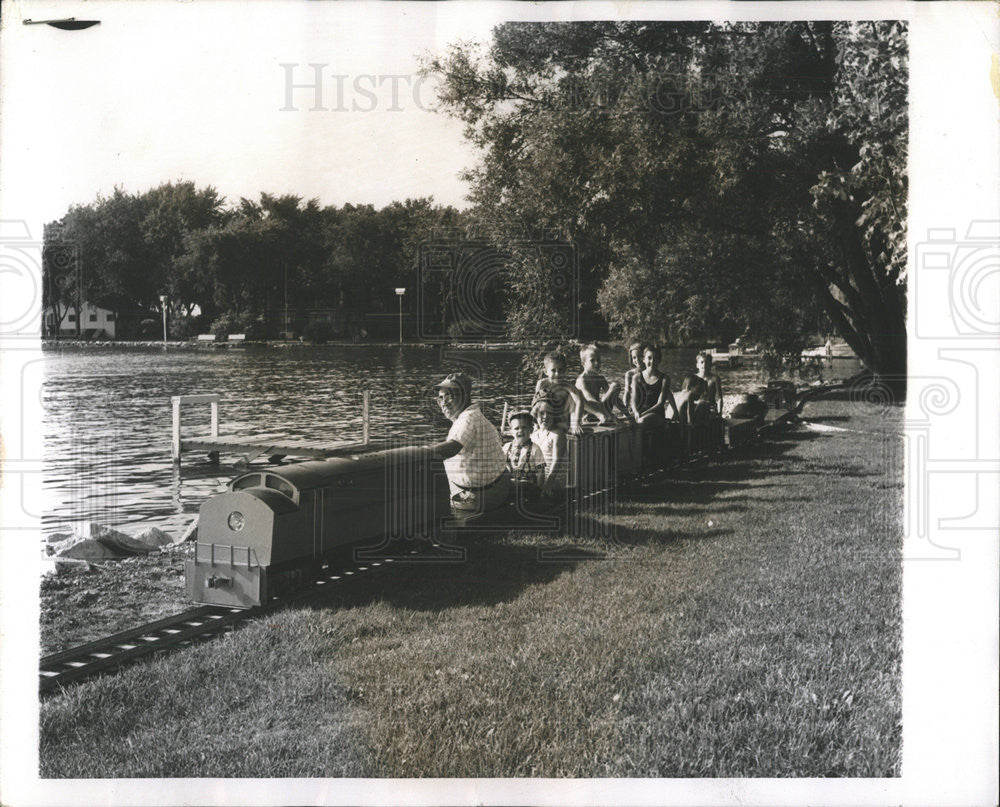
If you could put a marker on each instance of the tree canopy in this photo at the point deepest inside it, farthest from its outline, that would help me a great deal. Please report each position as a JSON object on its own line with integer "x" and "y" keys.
{"x": 717, "y": 179}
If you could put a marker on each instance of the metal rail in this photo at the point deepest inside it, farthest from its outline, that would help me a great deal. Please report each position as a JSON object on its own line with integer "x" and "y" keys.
{"x": 76, "y": 664}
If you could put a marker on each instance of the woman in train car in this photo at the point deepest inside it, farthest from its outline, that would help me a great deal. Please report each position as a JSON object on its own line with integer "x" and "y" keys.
{"x": 473, "y": 453}
{"x": 651, "y": 390}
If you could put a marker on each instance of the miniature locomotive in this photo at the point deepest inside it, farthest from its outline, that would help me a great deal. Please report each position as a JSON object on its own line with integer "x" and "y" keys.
{"x": 277, "y": 526}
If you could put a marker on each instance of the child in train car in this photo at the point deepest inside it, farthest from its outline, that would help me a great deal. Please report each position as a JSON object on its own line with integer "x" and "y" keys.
{"x": 703, "y": 362}
{"x": 692, "y": 404}
{"x": 635, "y": 351}
{"x": 599, "y": 397}
{"x": 525, "y": 460}
{"x": 749, "y": 407}
{"x": 560, "y": 393}
{"x": 553, "y": 444}
{"x": 651, "y": 390}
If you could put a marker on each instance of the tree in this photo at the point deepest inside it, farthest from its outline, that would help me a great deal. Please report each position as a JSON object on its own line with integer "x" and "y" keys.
{"x": 172, "y": 212}
{"x": 861, "y": 201}
{"x": 60, "y": 279}
{"x": 715, "y": 178}
{"x": 108, "y": 254}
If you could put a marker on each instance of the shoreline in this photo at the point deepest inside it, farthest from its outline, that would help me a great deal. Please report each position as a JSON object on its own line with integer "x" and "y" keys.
{"x": 840, "y": 349}
{"x": 130, "y": 344}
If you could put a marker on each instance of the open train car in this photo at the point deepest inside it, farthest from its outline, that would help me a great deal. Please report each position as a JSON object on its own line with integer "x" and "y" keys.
{"x": 605, "y": 456}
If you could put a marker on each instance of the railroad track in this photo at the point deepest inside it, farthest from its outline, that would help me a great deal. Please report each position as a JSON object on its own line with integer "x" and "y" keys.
{"x": 59, "y": 670}
{"x": 78, "y": 663}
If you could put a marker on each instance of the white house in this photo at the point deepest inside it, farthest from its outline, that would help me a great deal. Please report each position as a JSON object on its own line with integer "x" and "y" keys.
{"x": 96, "y": 322}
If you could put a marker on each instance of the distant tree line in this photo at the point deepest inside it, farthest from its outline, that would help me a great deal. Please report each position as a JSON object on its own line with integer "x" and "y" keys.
{"x": 244, "y": 268}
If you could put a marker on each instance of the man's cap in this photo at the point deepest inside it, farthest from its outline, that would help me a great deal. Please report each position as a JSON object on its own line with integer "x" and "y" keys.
{"x": 459, "y": 382}
{"x": 521, "y": 414}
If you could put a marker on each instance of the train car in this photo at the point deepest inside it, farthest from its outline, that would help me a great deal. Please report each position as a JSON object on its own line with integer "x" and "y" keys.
{"x": 275, "y": 527}
{"x": 740, "y": 431}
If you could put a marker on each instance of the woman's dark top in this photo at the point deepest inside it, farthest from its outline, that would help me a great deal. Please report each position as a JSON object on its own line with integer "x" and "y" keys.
{"x": 646, "y": 394}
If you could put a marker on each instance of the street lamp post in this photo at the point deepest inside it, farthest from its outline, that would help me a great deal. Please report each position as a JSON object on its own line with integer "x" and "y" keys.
{"x": 399, "y": 293}
{"x": 163, "y": 305}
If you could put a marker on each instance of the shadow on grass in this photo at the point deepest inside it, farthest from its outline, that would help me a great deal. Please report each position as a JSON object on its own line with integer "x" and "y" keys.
{"x": 623, "y": 535}
{"x": 490, "y": 567}
{"x": 741, "y": 468}
{"x": 483, "y": 570}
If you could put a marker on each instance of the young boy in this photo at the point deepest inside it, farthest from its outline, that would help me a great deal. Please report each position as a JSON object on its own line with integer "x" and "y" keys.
{"x": 525, "y": 460}
{"x": 691, "y": 403}
{"x": 714, "y": 396}
{"x": 564, "y": 397}
{"x": 599, "y": 397}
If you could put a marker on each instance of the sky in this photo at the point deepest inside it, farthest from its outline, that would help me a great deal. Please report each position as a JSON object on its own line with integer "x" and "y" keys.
{"x": 163, "y": 91}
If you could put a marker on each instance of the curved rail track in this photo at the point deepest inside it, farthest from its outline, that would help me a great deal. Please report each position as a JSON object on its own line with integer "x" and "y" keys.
{"x": 59, "y": 670}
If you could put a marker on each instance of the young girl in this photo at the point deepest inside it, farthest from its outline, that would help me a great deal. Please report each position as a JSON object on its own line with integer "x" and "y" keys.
{"x": 565, "y": 398}
{"x": 599, "y": 397}
{"x": 650, "y": 390}
{"x": 553, "y": 444}
{"x": 525, "y": 460}
{"x": 714, "y": 395}
{"x": 635, "y": 351}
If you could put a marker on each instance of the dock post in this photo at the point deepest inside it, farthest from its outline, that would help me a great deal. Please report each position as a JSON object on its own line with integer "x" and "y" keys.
{"x": 175, "y": 441}
{"x": 176, "y": 402}
{"x": 366, "y": 406}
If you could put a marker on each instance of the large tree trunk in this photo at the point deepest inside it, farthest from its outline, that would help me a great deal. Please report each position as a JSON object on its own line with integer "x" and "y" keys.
{"x": 865, "y": 305}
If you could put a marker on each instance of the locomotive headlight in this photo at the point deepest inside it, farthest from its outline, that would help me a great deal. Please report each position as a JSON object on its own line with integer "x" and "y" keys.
{"x": 236, "y": 521}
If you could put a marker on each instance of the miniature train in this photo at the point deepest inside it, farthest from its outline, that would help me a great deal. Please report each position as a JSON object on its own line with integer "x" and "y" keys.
{"x": 275, "y": 527}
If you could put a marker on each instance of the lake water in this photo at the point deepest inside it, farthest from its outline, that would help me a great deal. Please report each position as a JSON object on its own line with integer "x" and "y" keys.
{"x": 107, "y": 414}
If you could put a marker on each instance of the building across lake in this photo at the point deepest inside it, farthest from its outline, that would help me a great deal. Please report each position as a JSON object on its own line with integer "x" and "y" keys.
{"x": 96, "y": 322}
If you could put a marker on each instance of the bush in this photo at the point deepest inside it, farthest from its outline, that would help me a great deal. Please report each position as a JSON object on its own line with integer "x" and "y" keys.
{"x": 181, "y": 327}
{"x": 149, "y": 328}
{"x": 319, "y": 331}
{"x": 473, "y": 330}
{"x": 248, "y": 323}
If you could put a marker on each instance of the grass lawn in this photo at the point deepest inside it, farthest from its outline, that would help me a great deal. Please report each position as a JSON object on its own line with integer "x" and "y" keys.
{"x": 742, "y": 619}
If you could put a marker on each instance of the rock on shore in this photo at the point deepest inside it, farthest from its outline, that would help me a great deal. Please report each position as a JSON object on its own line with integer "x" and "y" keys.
{"x": 99, "y": 542}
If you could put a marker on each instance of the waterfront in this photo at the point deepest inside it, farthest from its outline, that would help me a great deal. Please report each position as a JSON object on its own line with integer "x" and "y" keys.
{"x": 107, "y": 418}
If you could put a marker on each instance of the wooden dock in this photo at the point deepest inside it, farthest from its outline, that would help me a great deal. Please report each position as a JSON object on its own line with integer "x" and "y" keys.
{"x": 273, "y": 446}
{"x": 249, "y": 447}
